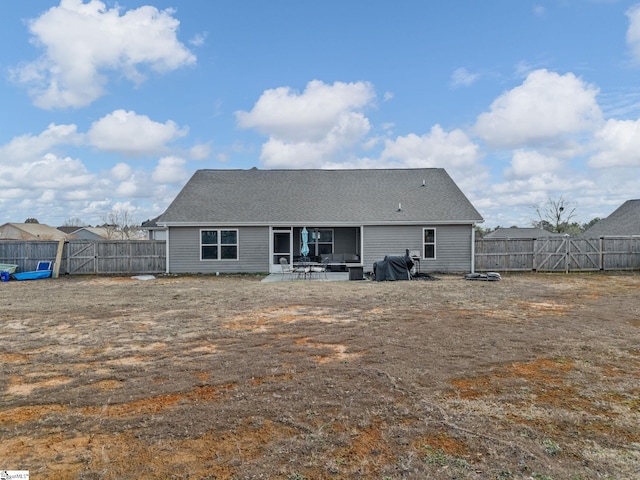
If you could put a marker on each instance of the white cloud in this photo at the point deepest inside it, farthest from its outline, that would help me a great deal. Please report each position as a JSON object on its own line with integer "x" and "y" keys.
{"x": 121, "y": 171}
{"x": 306, "y": 129}
{"x": 36, "y": 180}
{"x": 463, "y": 78}
{"x": 539, "y": 186}
{"x": 200, "y": 152}
{"x": 633, "y": 32}
{"x": 129, "y": 188}
{"x": 27, "y": 147}
{"x": 83, "y": 41}
{"x": 199, "y": 39}
{"x": 48, "y": 172}
{"x": 308, "y": 116}
{"x": 132, "y": 134}
{"x": 618, "y": 143}
{"x": 547, "y": 108}
{"x": 435, "y": 149}
{"x": 349, "y": 129}
{"x": 539, "y": 10}
{"x": 170, "y": 170}
{"x": 526, "y": 163}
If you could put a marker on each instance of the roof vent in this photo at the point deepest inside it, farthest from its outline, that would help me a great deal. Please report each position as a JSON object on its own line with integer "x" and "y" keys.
{"x": 399, "y": 207}
{"x": 424, "y": 182}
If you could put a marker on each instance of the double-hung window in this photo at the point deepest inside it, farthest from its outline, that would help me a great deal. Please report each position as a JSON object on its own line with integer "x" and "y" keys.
{"x": 429, "y": 243}
{"x": 218, "y": 244}
{"x": 323, "y": 241}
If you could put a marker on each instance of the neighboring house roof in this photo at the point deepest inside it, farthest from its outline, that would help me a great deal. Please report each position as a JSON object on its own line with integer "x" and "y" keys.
{"x": 67, "y": 230}
{"x": 287, "y": 197}
{"x": 625, "y": 220}
{"x": 521, "y": 233}
{"x": 30, "y": 231}
{"x": 151, "y": 224}
{"x": 90, "y": 233}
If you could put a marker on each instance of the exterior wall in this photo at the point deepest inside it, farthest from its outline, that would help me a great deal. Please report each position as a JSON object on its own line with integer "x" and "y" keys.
{"x": 87, "y": 235}
{"x": 184, "y": 251}
{"x": 155, "y": 234}
{"x": 453, "y": 246}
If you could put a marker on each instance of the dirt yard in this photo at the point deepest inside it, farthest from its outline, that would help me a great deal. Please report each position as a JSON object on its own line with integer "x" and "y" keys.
{"x": 532, "y": 377}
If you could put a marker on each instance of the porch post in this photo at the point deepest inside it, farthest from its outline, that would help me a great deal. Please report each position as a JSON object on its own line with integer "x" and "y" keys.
{"x": 473, "y": 249}
{"x": 166, "y": 256}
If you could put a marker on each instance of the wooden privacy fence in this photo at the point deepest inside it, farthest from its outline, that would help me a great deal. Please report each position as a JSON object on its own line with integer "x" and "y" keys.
{"x": 88, "y": 256}
{"x": 557, "y": 254}
{"x": 553, "y": 254}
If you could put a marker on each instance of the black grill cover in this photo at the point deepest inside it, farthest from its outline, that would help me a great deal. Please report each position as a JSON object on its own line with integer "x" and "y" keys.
{"x": 393, "y": 268}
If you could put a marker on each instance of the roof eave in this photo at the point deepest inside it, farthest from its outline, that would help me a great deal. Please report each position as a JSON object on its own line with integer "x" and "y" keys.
{"x": 319, "y": 223}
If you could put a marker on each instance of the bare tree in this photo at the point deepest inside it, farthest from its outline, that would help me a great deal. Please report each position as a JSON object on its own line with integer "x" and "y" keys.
{"x": 120, "y": 225}
{"x": 74, "y": 222}
{"x": 554, "y": 215}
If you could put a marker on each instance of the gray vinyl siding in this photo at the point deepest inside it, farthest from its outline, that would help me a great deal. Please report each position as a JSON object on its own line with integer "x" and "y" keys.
{"x": 184, "y": 251}
{"x": 453, "y": 246}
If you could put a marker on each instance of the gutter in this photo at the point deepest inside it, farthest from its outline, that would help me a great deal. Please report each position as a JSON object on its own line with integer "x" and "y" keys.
{"x": 298, "y": 223}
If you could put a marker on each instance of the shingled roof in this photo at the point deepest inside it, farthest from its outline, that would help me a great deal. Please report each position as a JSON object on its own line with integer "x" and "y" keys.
{"x": 625, "y": 220}
{"x": 30, "y": 231}
{"x": 320, "y": 197}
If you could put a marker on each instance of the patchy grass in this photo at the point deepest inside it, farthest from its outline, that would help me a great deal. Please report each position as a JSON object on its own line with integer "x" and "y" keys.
{"x": 535, "y": 376}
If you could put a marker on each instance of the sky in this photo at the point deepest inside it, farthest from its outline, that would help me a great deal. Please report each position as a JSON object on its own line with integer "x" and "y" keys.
{"x": 112, "y": 106}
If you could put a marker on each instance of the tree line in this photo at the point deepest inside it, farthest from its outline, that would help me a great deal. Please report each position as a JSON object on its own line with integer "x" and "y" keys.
{"x": 555, "y": 216}
{"x": 118, "y": 224}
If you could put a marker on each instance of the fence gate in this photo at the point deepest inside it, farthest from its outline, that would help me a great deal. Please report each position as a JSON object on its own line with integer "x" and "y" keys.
{"x": 565, "y": 254}
{"x": 81, "y": 257}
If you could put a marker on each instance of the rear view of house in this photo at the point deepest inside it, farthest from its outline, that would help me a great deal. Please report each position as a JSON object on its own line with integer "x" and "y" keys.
{"x": 247, "y": 220}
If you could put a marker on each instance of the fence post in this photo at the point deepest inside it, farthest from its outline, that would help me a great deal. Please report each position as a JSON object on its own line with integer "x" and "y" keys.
{"x": 601, "y": 253}
{"x": 56, "y": 265}
{"x": 567, "y": 256}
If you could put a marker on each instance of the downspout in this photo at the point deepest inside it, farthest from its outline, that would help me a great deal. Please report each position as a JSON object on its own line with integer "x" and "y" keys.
{"x": 473, "y": 249}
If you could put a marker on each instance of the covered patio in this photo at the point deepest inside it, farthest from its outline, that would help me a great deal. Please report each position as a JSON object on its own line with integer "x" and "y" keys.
{"x": 316, "y": 277}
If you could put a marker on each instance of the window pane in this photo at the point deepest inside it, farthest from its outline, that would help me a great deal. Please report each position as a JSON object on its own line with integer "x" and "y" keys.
{"x": 210, "y": 253}
{"x": 324, "y": 249}
{"x": 209, "y": 237}
{"x": 429, "y": 236}
{"x": 281, "y": 242}
{"x": 325, "y": 236}
{"x": 229, "y": 253}
{"x": 429, "y": 251}
{"x": 228, "y": 237}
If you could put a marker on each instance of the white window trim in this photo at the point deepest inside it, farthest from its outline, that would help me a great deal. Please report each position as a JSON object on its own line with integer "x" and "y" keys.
{"x": 333, "y": 239}
{"x": 220, "y": 245}
{"x": 435, "y": 243}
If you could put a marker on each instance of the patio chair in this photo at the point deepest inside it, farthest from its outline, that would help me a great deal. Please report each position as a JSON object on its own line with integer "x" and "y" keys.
{"x": 304, "y": 270}
{"x": 322, "y": 268}
{"x": 287, "y": 268}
